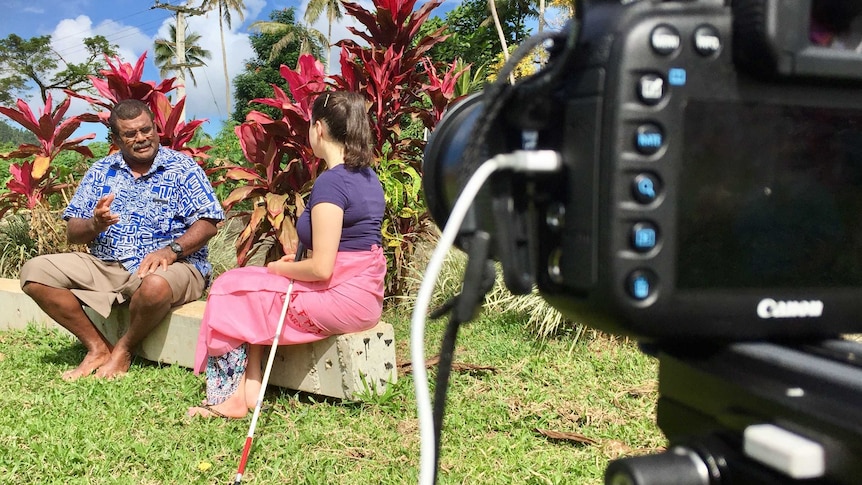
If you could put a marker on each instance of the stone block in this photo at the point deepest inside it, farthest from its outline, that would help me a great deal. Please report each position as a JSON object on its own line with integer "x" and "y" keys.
{"x": 342, "y": 366}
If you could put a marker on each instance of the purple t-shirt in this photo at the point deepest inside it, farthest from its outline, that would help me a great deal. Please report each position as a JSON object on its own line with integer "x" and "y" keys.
{"x": 360, "y": 195}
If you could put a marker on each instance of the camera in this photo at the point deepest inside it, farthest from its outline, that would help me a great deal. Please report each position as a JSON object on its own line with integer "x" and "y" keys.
{"x": 713, "y": 167}
{"x": 708, "y": 205}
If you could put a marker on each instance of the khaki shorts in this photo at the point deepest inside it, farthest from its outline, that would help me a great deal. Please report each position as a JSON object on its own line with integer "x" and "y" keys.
{"x": 99, "y": 284}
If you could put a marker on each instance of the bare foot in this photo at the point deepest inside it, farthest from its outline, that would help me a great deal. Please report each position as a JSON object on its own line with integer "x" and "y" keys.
{"x": 92, "y": 361}
{"x": 233, "y": 408}
{"x": 117, "y": 366}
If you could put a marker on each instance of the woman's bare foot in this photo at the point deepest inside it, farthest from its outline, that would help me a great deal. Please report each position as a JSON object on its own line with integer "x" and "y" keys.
{"x": 92, "y": 361}
{"x": 233, "y": 408}
{"x": 117, "y": 366}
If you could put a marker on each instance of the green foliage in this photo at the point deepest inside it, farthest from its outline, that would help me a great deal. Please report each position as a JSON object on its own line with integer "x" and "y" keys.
{"x": 11, "y": 137}
{"x": 225, "y": 151}
{"x": 332, "y": 8}
{"x": 261, "y": 72}
{"x": 16, "y": 245}
{"x": 17, "y": 57}
{"x": 26, "y": 62}
{"x": 405, "y": 216}
{"x": 308, "y": 39}
{"x": 73, "y": 164}
{"x": 390, "y": 400}
{"x": 225, "y": 7}
{"x": 472, "y": 81}
{"x": 472, "y": 36}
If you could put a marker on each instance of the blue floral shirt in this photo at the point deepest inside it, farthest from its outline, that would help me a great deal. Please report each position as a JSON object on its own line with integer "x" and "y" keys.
{"x": 154, "y": 209}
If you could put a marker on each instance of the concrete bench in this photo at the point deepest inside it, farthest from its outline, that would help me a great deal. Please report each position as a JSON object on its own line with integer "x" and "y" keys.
{"x": 342, "y": 366}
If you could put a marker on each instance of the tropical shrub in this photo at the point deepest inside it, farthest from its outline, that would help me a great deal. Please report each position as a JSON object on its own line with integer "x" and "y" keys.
{"x": 34, "y": 179}
{"x": 283, "y": 165}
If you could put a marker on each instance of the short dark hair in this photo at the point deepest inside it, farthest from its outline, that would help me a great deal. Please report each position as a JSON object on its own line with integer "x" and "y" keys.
{"x": 127, "y": 109}
{"x": 346, "y": 117}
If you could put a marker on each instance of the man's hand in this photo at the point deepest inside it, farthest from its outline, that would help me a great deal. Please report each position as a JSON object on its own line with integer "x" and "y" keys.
{"x": 102, "y": 215}
{"x": 161, "y": 258}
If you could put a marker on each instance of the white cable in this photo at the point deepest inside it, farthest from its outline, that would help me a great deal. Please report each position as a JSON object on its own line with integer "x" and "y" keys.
{"x": 543, "y": 160}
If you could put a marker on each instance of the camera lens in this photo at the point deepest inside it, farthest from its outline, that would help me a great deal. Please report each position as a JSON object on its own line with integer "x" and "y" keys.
{"x": 443, "y": 164}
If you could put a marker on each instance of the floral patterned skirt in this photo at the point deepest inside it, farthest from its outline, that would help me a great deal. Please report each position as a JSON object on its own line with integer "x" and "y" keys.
{"x": 224, "y": 373}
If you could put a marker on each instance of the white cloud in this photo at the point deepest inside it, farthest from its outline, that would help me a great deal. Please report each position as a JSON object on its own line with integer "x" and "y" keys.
{"x": 67, "y": 38}
{"x": 207, "y": 99}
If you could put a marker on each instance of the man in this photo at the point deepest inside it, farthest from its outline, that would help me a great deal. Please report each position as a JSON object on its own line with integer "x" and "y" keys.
{"x": 146, "y": 213}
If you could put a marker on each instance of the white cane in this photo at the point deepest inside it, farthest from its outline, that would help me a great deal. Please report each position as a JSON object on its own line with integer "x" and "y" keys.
{"x": 300, "y": 249}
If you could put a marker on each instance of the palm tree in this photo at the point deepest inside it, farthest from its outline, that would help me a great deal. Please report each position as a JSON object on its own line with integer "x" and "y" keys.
{"x": 224, "y": 9}
{"x": 309, "y": 39}
{"x": 165, "y": 53}
{"x": 333, "y": 13}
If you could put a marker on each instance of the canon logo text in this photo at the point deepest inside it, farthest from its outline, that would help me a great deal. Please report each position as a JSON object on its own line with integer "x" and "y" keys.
{"x": 769, "y": 308}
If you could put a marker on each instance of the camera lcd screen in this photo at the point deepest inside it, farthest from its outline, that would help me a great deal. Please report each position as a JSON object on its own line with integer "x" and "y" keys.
{"x": 769, "y": 196}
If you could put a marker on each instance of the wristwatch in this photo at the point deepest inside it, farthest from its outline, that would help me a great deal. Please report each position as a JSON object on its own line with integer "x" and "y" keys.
{"x": 176, "y": 248}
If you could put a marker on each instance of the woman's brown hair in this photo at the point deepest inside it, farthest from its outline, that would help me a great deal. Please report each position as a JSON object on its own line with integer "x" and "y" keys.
{"x": 346, "y": 119}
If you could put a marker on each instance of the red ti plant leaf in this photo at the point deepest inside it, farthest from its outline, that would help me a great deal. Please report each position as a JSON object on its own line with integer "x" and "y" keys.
{"x": 123, "y": 81}
{"x": 32, "y": 180}
{"x": 306, "y": 81}
{"x": 173, "y": 133}
{"x": 387, "y": 70}
{"x": 441, "y": 91}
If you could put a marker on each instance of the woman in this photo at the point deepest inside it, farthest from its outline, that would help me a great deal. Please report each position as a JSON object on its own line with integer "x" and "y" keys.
{"x": 337, "y": 289}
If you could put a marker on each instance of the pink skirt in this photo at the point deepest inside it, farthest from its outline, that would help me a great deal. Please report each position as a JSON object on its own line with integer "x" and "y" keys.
{"x": 244, "y": 305}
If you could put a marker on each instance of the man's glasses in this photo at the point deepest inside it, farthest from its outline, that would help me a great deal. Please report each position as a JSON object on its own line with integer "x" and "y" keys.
{"x": 132, "y": 135}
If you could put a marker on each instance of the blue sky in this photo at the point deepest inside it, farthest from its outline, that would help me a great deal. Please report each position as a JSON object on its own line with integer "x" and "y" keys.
{"x": 134, "y": 25}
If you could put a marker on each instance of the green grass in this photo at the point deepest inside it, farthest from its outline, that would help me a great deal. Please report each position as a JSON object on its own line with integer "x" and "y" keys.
{"x": 133, "y": 430}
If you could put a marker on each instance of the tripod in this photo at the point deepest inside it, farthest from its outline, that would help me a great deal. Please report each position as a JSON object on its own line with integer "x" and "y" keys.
{"x": 755, "y": 413}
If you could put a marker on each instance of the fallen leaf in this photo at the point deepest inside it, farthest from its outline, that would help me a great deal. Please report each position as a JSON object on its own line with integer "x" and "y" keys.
{"x": 566, "y": 436}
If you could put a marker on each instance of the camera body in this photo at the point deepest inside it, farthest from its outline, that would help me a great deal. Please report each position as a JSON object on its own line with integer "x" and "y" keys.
{"x": 712, "y": 181}
{"x": 708, "y": 205}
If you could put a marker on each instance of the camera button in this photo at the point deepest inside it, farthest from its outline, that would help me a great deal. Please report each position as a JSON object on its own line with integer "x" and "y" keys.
{"x": 641, "y": 284}
{"x": 645, "y": 188}
{"x": 649, "y": 139}
{"x": 644, "y": 237}
{"x": 664, "y": 40}
{"x": 707, "y": 41}
{"x": 651, "y": 89}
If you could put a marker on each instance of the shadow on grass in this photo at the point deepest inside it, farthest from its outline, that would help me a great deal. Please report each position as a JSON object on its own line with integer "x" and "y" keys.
{"x": 70, "y": 354}
{"x": 73, "y": 353}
